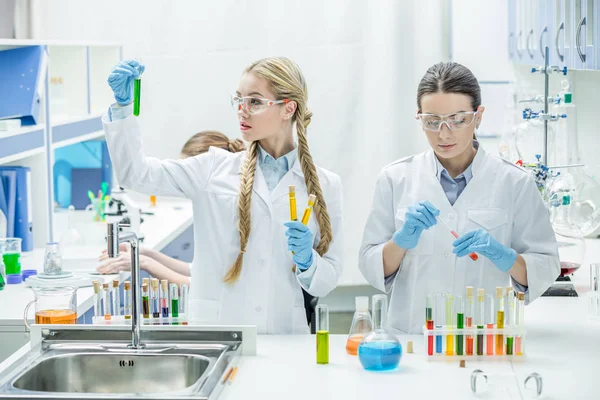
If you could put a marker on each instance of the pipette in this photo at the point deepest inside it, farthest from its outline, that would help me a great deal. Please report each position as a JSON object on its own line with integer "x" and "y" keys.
{"x": 473, "y": 256}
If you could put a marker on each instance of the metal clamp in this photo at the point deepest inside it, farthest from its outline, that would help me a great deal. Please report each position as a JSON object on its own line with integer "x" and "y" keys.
{"x": 560, "y": 28}
{"x": 545, "y": 30}
{"x": 529, "y": 35}
{"x": 578, "y": 39}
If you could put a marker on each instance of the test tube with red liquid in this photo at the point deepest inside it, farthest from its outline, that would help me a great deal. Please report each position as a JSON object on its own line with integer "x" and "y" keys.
{"x": 473, "y": 256}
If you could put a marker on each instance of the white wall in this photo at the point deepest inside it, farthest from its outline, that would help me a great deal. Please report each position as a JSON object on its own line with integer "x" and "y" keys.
{"x": 360, "y": 58}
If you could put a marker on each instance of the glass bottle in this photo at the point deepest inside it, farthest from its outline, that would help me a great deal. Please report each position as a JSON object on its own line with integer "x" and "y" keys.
{"x": 362, "y": 324}
{"x": 379, "y": 351}
{"x": 52, "y": 259}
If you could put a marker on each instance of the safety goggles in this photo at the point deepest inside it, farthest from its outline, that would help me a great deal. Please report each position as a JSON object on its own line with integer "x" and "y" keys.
{"x": 253, "y": 105}
{"x": 459, "y": 120}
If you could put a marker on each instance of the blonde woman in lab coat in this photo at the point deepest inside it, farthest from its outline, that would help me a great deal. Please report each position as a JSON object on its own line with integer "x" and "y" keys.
{"x": 494, "y": 204}
{"x": 242, "y": 271}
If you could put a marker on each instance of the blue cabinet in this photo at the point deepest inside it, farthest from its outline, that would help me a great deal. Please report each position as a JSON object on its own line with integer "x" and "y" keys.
{"x": 182, "y": 248}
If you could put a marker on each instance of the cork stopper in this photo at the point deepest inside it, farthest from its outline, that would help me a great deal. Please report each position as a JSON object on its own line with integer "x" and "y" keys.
{"x": 127, "y": 285}
{"x": 499, "y": 291}
{"x": 146, "y": 281}
{"x": 508, "y": 290}
{"x": 409, "y": 347}
{"x": 469, "y": 291}
{"x": 105, "y": 286}
{"x": 462, "y": 364}
{"x": 292, "y": 189}
{"x": 154, "y": 284}
{"x": 480, "y": 292}
{"x": 96, "y": 286}
{"x": 165, "y": 285}
{"x": 521, "y": 296}
{"x": 115, "y": 283}
{"x": 311, "y": 199}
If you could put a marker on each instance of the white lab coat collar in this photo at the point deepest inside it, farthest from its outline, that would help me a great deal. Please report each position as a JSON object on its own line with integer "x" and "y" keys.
{"x": 476, "y": 165}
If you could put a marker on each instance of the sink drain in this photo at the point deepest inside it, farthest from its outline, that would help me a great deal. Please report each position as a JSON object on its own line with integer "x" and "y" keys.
{"x": 126, "y": 363}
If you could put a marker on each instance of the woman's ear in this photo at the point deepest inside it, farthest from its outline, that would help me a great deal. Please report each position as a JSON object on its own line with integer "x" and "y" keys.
{"x": 480, "y": 111}
{"x": 289, "y": 109}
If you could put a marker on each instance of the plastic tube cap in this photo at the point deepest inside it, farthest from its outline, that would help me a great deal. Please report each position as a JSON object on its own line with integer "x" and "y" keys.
{"x": 362, "y": 303}
{"x": 14, "y": 279}
{"x": 27, "y": 273}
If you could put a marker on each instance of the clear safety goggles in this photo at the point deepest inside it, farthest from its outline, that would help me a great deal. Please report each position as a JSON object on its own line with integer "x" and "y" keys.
{"x": 459, "y": 120}
{"x": 253, "y": 105}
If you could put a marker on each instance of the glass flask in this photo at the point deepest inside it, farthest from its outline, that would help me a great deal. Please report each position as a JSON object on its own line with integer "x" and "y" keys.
{"x": 362, "y": 324}
{"x": 574, "y": 200}
{"x": 72, "y": 237}
{"x": 379, "y": 351}
{"x": 529, "y": 139}
{"x": 571, "y": 252}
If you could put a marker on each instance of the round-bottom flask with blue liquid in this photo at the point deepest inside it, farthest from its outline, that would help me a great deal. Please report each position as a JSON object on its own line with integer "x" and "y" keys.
{"x": 379, "y": 351}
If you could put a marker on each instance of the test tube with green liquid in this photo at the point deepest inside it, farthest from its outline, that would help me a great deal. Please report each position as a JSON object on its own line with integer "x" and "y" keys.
{"x": 174, "y": 301}
{"x": 137, "y": 89}
{"x": 322, "y": 334}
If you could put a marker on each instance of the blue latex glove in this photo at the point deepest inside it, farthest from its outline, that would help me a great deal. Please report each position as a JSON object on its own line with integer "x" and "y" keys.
{"x": 419, "y": 216}
{"x": 300, "y": 241}
{"x": 121, "y": 80}
{"x": 480, "y": 241}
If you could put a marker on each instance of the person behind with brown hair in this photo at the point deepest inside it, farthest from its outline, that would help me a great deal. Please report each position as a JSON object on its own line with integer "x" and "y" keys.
{"x": 157, "y": 264}
{"x": 245, "y": 244}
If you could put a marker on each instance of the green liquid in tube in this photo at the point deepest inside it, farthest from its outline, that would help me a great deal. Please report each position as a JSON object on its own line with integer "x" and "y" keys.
{"x": 322, "y": 347}
{"x": 137, "y": 89}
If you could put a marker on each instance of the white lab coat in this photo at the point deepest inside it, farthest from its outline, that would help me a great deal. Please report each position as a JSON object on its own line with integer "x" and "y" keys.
{"x": 501, "y": 198}
{"x": 268, "y": 294}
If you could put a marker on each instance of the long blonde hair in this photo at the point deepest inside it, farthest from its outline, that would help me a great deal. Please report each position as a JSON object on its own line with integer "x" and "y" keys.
{"x": 287, "y": 82}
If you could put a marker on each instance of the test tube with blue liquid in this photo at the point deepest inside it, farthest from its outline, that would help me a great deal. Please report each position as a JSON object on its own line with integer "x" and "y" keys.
{"x": 379, "y": 351}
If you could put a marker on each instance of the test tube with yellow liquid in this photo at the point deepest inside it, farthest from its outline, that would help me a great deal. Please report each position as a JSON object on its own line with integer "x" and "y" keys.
{"x": 499, "y": 321}
{"x": 322, "y": 334}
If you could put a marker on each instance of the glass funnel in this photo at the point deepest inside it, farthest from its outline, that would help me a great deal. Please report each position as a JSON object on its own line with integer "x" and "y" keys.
{"x": 379, "y": 351}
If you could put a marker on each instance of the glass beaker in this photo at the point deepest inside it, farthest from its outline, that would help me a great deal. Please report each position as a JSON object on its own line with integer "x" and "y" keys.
{"x": 379, "y": 351}
{"x": 52, "y": 259}
{"x": 11, "y": 255}
{"x": 53, "y": 305}
{"x": 362, "y": 324}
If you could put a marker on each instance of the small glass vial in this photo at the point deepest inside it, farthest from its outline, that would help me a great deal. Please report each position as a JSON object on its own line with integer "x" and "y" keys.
{"x": 127, "y": 300}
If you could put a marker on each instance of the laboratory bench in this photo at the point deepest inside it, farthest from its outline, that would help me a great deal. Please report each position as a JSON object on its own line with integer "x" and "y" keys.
{"x": 168, "y": 230}
{"x": 562, "y": 346}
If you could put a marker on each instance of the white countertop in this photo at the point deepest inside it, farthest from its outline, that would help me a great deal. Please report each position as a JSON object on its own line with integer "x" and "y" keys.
{"x": 170, "y": 219}
{"x": 562, "y": 346}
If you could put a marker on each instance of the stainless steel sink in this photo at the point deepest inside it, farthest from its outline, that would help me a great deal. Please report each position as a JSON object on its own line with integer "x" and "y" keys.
{"x": 77, "y": 364}
{"x": 113, "y": 373}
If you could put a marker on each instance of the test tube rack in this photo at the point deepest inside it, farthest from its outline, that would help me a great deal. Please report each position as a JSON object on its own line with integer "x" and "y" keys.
{"x": 442, "y": 335}
{"x": 120, "y": 320}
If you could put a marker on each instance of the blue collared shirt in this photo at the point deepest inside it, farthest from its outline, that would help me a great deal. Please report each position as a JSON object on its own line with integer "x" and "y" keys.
{"x": 272, "y": 169}
{"x": 453, "y": 187}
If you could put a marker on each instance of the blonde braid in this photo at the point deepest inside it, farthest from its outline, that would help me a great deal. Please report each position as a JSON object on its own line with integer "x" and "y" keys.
{"x": 303, "y": 118}
{"x": 244, "y": 201}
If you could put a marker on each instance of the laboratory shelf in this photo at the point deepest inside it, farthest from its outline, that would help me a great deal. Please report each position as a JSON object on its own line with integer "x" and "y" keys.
{"x": 77, "y": 130}
{"x": 29, "y": 140}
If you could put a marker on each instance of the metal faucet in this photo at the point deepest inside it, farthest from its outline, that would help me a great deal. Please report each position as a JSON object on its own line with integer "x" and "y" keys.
{"x": 114, "y": 238}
